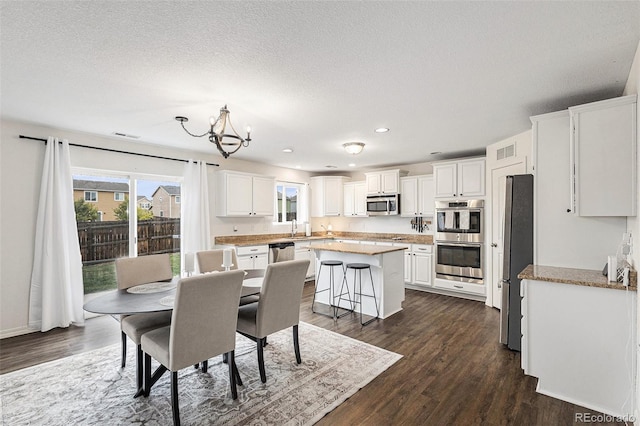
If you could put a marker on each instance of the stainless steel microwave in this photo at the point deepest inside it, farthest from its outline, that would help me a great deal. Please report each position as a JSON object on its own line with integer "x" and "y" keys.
{"x": 383, "y": 205}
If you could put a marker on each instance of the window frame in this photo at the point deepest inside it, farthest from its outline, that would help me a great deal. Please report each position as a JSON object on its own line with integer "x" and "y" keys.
{"x": 298, "y": 187}
{"x": 115, "y": 196}
{"x": 89, "y": 200}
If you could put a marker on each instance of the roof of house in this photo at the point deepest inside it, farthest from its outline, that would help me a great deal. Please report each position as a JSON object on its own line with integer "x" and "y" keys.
{"x": 170, "y": 189}
{"x": 143, "y": 197}
{"x": 95, "y": 185}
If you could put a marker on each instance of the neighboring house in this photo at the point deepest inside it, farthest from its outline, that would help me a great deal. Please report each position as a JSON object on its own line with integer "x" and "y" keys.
{"x": 104, "y": 196}
{"x": 143, "y": 202}
{"x": 166, "y": 201}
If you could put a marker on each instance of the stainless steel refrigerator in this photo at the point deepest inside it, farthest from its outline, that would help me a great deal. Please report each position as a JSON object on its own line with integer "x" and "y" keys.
{"x": 518, "y": 253}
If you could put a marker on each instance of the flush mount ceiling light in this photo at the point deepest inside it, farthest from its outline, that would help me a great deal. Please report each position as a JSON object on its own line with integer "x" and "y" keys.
{"x": 216, "y": 133}
{"x": 353, "y": 147}
{"x": 381, "y": 130}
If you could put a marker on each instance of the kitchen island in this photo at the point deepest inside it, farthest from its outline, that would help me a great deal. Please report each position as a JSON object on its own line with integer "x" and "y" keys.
{"x": 387, "y": 269}
{"x": 578, "y": 337}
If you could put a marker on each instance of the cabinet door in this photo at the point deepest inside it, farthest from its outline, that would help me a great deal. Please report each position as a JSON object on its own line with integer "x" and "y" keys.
{"x": 263, "y": 196}
{"x": 471, "y": 178}
{"x": 389, "y": 182}
{"x": 360, "y": 199}
{"x": 408, "y": 256}
{"x": 333, "y": 198}
{"x": 604, "y": 157}
{"x": 422, "y": 268}
{"x": 239, "y": 195}
{"x": 426, "y": 193}
{"x": 245, "y": 262}
{"x": 260, "y": 261}
{"x": 349, "y": 199}
{"x": 306, "y": 254}
{"x": 446, "y": 180}
{"x": 373, "y": 183}
{"x": 409, "y": 197}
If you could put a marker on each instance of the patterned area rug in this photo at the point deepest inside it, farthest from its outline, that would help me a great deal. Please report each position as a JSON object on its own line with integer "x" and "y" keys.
{"x": 92, "y": 389}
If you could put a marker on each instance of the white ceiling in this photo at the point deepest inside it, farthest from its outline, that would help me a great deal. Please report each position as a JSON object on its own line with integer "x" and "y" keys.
{"x": 443, "y": 76}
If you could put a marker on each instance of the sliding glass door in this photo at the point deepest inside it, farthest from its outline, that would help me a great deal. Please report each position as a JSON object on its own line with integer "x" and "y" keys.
{"x": 124, "y": 216}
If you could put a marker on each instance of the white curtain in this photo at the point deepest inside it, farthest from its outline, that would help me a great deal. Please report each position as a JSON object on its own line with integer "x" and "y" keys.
{"x": 196, "y": 228}
{"x": 57, "y": 291}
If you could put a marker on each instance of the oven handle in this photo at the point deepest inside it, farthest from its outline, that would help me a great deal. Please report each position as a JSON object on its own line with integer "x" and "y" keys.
{"x": 450, "y": 243}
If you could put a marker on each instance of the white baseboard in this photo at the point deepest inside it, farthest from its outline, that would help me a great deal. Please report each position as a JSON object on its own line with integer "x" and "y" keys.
{"x": 18, "y": 331}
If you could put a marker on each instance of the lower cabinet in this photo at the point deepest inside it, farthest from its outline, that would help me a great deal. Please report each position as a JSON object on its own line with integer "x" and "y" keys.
{"x": 418, "y": 265}
{"x": 304, "y": 251}
{"x": 253, "y": 257}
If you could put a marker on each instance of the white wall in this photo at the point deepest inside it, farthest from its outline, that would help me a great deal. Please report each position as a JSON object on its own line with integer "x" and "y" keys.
{"x": 20, "y": 174}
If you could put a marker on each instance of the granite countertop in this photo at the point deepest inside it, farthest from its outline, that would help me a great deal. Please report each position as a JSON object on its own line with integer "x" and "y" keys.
{"x": 583, "y": 277}
{"x": 367, "y": 249}
{"x": 252, "y": 240}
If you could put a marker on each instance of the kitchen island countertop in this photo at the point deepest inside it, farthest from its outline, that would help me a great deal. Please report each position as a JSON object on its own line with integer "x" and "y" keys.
{"x": 366, "y": 249}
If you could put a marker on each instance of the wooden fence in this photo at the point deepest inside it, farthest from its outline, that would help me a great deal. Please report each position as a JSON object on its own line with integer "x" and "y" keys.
{"x": 104, "y": 241}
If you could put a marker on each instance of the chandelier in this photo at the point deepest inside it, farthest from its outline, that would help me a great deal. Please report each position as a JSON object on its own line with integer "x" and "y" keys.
{"x": 228, "y": 146}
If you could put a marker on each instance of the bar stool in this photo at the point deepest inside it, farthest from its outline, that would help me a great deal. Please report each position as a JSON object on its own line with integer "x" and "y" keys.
{"x": 332, "y": 289}
{"x": 357, "y": 289}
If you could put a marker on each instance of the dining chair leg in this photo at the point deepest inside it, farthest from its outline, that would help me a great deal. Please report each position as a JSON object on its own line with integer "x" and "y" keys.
{"x": 224, "y": 358}
{"x": 232, "y": 375}
{"x": 174, "y": 398}
{"x": 296, "y": 344}
{"x": 147, "y": 375}
{"x": 205, "y": 365}
{"x": 263, "y": 375}
{"x": 124, "y": 349}
{"x": 139, "y": 368}
{"x": 237, "y": 373}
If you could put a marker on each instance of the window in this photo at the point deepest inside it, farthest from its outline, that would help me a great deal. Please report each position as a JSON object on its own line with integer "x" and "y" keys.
{"x": 145, "y": 206}
{"x": 288, "y": 195}
{"x": 91, "y": 196}
{"x": 177, "y": 199}
{"x": 118, "y": 196}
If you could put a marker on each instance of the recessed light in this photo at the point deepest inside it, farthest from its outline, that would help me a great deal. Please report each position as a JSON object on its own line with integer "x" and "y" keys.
{"x": 436, "y": 152}
{"x": 352, "y": 164}
{"x": 288, "y": 150}
{"x": 381, "y": 130}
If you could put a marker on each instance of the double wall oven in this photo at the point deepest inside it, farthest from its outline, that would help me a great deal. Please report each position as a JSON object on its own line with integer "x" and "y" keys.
{"x": 460, "y": 240}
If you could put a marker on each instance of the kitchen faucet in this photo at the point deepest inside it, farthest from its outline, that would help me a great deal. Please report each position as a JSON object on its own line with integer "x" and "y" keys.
{"x": 294, "y": 228}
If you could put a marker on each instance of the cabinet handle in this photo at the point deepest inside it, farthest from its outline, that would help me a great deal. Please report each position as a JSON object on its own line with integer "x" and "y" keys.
{"x": 454, "y": 195}
{"x": 457, "y": 286}
{"x": 494, "y": 245}
{"x": 568, "y": 210}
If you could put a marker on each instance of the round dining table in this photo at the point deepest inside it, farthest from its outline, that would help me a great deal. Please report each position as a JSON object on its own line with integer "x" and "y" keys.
{"x": 131, "y": 301}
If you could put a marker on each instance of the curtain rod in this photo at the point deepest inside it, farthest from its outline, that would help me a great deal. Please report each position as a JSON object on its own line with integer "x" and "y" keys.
{"x": 118, "y": 151}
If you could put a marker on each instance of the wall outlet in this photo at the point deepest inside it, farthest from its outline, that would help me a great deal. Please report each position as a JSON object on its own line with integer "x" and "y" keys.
{"x": 235, "y": 228}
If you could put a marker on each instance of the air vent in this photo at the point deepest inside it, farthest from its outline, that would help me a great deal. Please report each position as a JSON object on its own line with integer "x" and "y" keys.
{"x": 506, "y": 152}
{"x": 124, "y": 135}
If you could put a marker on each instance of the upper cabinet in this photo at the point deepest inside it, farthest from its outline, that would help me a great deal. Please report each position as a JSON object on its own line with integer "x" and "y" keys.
{"x": 417, "y": 196}
{"x": 384, "y": 182}
{"x": 355, "y": 199}
{"x": 244, "y": 194}
{"x": 603, "y": 157}
{"x": 327, "y": 195}
{"x": 464, "y": 178}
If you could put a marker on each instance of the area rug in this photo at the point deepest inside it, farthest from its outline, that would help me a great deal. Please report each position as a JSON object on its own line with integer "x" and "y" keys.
{"x": 92, "y": 389}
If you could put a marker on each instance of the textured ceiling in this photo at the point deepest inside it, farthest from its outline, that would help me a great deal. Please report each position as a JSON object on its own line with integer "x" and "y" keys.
{"x": 443, "y": 76}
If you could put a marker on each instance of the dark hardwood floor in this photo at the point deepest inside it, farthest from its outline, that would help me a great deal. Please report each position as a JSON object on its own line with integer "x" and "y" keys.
{"x": 453, "y": 370}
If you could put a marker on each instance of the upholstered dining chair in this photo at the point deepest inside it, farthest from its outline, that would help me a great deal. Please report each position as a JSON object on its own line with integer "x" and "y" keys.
{"x": 203, "y": 325}
{"x": 132, "y": 271}
{"x": 211, "y": 260}
{"x": 278, "y": 308}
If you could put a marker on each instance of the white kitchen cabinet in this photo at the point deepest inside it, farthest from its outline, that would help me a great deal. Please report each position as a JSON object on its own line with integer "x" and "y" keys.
{"x": 408, "y": 258}
{"x": 304, "y": 251}
{"x": 327, "y": 196}
{"x": 384, "y": 182}
{"x": 355, "y": 199}
{"x": 417, "y": 196}
{"x": 418, "y": 265}
{"x": 603, "y": 138}
{"x": 244, "y": 194}
{"x": 463, "y": 178}
{"x": 253, "y": 257}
